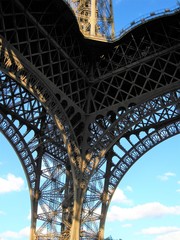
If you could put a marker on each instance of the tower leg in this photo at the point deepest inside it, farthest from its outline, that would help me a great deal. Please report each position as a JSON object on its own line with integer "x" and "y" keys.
{"x": 75, "y": 229}
{"x": 93, "y": 17}
{"x": 101, "y": 229}
{"x": 105, "y": 198}
{"x": 76, "y": 221}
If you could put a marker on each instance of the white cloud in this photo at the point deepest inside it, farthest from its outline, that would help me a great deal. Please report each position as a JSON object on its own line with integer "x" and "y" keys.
{"x": 178, "y": 190}
{"x": 11, "y": 183}
{"x": 178, "y": 182}
{"x": 128, "y": 225}
{"x": 159, "y": 230}
{"x": 169, "y": 236}
{"x": 2, "y": 213}
{"x": 120, "y": 197}
{"x": 166, "y": 176}
{"x": 25, "y": 232}
{"x": 162, "y": 233}
{"x": 129, "y": 189}
{"x": 148, "y": 210}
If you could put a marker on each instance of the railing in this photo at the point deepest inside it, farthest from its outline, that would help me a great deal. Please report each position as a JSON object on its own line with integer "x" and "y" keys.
{"x": 137, "y": 22}
{"x": 145, "y": 18}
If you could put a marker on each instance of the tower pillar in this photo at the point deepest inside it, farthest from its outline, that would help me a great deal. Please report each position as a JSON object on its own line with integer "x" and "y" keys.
{"x": 93, "y": 17}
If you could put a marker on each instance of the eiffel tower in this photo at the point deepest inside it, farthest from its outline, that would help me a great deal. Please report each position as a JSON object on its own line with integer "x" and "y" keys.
{"x": 80, "y": 105}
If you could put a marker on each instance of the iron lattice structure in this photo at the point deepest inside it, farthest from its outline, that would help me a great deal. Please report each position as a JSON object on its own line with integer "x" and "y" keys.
{"x": 95, "y": 18}
{"x": 80, "y": 112}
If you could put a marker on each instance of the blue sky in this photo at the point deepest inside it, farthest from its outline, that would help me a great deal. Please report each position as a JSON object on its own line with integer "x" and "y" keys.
{"x": 125, "y": 11}
{"x": 146, "y": 205}
{"x": 14, "y": 195}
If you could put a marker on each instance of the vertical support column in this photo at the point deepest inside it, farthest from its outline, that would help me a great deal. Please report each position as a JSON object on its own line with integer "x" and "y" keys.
{"x": 105, "y": 197}
{"x": 93, "y": 18}
{"x": 34, "y": 209}
{"x": 34, "y": 194}
{"x": 112, "y": 20}
{"x": 77, "y": 211}
{"x": 79, "y": 188}
{"x": 66, "y": 205}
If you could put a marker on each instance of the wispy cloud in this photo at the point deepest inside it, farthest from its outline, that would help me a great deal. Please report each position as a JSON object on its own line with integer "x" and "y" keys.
{"x": 159, "y": 230}
{"x": 11, "y": 183}
{"x": 162, "y": 233}
{"x": 147, "y": 210}
{"x": 169, "y": 236}
{"x": 128, "y": 225}
{"x": 118, "y": 1}
{"x": 166, "y": 176}
{"x": 23, "y": 233}
{"x": 120, "y": 197}
{"x": 129, "y": 189}
{"x": 2, "y": 213}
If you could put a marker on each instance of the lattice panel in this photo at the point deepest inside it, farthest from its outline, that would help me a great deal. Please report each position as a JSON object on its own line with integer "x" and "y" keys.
{"x": 105, "y": 129}
{"x": 53, "y": 50}
{"x": 142, "y": 62}
{"x": 39, "y": 145}
{"x": 162, "y": 122}
{"x": 103, "y": 19}
{"x": 111, "y": 102}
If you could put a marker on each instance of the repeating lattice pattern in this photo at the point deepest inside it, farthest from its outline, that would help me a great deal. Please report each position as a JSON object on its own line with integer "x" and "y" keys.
{"x": 80, "y": 113}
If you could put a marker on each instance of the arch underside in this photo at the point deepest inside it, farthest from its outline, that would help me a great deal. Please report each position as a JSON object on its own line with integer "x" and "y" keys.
{"x": 34, "y": 145}
{"x": 68, "y": 124}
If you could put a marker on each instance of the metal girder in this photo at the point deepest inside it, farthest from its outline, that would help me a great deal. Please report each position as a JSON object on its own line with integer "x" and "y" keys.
{"x": 95, "y": 18}
{"x": 80, "y": 113}
{"x": 136, "y": 65}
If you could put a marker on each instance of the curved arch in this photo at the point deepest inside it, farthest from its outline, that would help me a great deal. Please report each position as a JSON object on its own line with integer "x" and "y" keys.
{"x": 24, "y": 152}
{"x": 145, "y": 114}
{"x": 22, "y": 71}
{"x": 54, "y": 48}
{"x": 40, "y": 148}
{"x": 115, "y": 171}
{"x": 50, "y": 215}
{"x": 21, "y": 147}
{"x": 18, "y": 68}
{"x": 59, "y": 160}
{"x": 149, "y": 187}
{"x": 155, "y": 113}
{"x": 138, "y": 149}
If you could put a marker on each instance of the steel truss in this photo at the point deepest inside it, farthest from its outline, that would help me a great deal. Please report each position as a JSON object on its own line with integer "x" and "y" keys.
{"x": 80, "y": 113}
{"x": 95, "y": 18}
